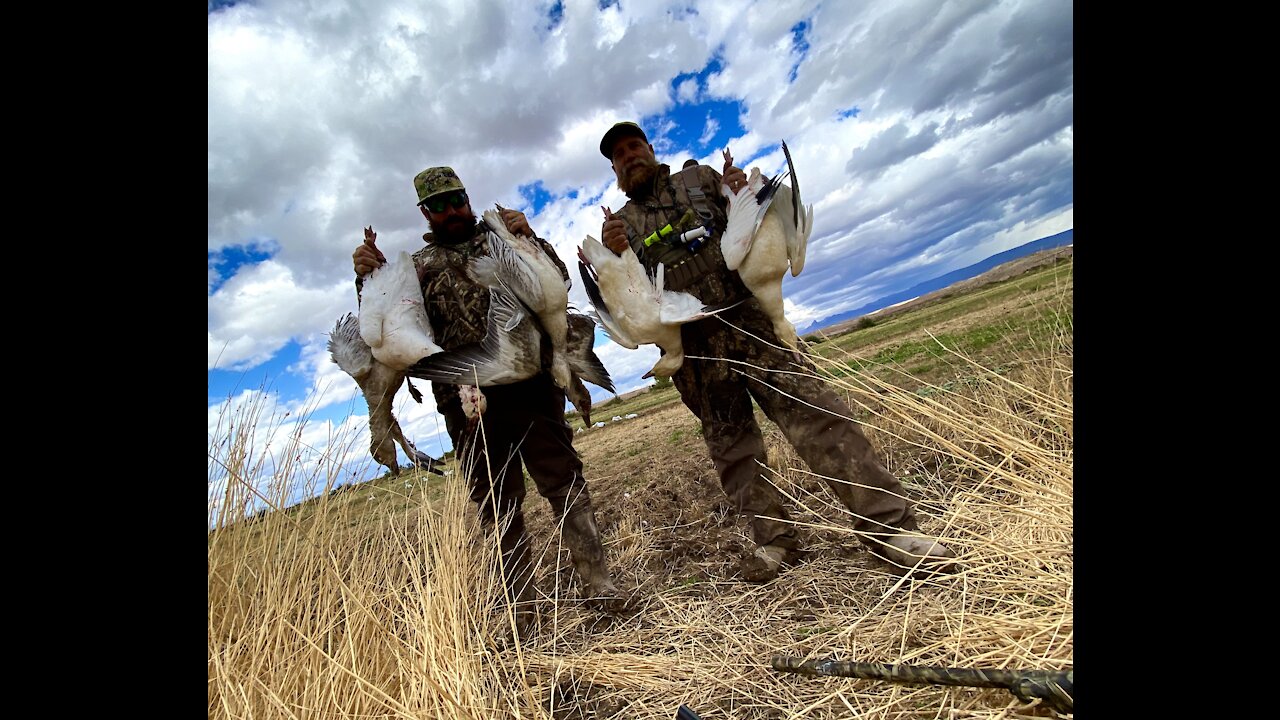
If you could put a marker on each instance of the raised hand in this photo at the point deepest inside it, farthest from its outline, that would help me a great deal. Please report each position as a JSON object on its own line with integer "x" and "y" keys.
{"x": 613, "y": 233}
{"x": 732, "y": 177}
{"x": 367, "y": 257}
{"x": 515, "y": 221}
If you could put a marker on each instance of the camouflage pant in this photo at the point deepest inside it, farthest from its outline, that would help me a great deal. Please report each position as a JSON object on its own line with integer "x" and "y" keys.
{"x": 814, "y": 422}
{"x": 524, "y": 428}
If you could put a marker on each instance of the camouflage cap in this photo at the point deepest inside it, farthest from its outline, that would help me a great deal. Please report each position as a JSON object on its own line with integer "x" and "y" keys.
{"x": 436, "y": 180}
{"x": 615, "y": 133}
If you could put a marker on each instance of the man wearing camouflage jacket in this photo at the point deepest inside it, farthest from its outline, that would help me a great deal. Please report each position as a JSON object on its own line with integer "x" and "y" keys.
{"x": 719, "y": 392}
{"x": 524, "y": 421}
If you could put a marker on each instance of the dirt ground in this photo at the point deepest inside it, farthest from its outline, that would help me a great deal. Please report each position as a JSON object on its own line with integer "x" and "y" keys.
{"x": 697, "y": 533}
{"x": 678, "y": 502}
{"x": 987, "y": 469}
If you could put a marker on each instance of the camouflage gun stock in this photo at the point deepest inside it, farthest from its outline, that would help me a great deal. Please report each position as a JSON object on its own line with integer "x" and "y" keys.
{"x": 1055, "y": 688}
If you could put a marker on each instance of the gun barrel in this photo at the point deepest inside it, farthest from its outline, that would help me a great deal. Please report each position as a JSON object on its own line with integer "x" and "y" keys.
{"x": 1055, "y": 688}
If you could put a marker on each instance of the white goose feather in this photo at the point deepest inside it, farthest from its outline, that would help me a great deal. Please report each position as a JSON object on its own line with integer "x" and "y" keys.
{"x": 767, "y": 233}
{"x": 518, "y": 264}
{"x": 508, "y": 353}
{"x": 635, "y": 309}
{"x": 393, "y": 320}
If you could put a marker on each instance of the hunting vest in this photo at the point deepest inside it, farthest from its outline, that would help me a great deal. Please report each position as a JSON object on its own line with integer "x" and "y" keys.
{"x": 684, "y": 201}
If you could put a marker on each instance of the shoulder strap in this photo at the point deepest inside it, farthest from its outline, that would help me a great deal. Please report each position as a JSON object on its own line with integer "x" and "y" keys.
{"x": 693, "y": 186}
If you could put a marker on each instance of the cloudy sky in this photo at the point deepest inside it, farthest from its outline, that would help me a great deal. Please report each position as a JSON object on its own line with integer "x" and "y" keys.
{"x": 927, "y": 135}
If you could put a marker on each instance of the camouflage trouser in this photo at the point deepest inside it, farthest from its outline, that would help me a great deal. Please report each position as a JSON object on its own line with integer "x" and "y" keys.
{"x": 523, "y": 425}
{"x": 814, "y": 422}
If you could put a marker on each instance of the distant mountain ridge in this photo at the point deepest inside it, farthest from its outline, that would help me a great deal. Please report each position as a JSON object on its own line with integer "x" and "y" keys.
{"x": 1063, "y": 238}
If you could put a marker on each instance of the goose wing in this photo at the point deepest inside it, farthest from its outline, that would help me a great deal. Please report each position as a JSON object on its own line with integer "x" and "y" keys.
{"x": 580, "y": 352}
{"x": 588, "y": 255}
{"x": 504, "y": 267}
{"x": 678, "y": 308}
{"x": 509, "y": 352}
{"x": 348, "y": 350}
{"x": 801, "y": 219}
{"x": 747, "y": 208}
{"x": 526, "y": 269}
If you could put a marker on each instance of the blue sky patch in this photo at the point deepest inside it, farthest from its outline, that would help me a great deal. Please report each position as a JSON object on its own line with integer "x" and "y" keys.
{"x": 800, "y": 41}
{"x": 705, "y": 126}
{"x": 231, "y": 258}
{"x": 274, "y": 373}
{"x": 762, "y": 152}
{"x": 536, "y": 195}
{"x": 595, "y": 199}
{"x": 714, "y": 65}
{"x": 703, "y": 123}
{"x": 554, "y": 15}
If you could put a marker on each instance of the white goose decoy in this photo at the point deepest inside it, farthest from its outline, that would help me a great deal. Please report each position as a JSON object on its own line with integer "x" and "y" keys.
{"x": 379, "y": 383}
{"x": 635, "y": 309}
{"x": 768, "y": 230}
{"x": 393, "y": 320}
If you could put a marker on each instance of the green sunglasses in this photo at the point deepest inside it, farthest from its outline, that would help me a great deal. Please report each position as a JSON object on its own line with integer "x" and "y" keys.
{"x": 437, "y": 204}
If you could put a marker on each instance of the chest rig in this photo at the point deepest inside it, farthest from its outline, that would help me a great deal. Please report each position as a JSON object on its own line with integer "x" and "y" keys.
{"x": 682, "y": 242}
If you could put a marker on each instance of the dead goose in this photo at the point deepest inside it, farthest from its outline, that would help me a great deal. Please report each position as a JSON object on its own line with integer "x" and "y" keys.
{"x": 635, "y": 309}
{"x": 519, "y": 265}
{"x": 768, "y": 231}
{"x": 511, "y": 350}
{"x": 392, "y": 319}
{"x": 581, "y": 342}
{"x": 379, "y": 383}
{"x": 508, "y": 353}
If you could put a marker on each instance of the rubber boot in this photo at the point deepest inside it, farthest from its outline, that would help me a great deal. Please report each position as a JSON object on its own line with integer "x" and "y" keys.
{"x": 767, "y": 561}
{"x": 582, "y": 537}
{"x": 914, "y": 553}
{"x": 517, "y": 563}
{"x": 764, "y": 564}
{"x": 517, "y": 566}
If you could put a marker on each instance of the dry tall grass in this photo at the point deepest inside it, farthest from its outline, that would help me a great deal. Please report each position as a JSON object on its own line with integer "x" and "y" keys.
{"x": 355, "y": 615}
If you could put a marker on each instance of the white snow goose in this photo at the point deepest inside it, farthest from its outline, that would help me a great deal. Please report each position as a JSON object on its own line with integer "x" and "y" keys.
{"x": 768, "y": 232}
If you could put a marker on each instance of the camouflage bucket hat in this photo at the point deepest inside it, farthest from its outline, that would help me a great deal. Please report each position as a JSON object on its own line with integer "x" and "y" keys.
{"x": 436, "y": 180}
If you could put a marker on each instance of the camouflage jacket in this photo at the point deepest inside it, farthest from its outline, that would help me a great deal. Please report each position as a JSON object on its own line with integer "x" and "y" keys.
{"x": 702, "y": 274}
{"x": 457, "y": 307}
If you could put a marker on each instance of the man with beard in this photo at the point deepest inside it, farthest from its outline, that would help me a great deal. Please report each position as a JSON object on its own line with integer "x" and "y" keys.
{"x": 749, "y": 358}
{"x": 524, "y": 421}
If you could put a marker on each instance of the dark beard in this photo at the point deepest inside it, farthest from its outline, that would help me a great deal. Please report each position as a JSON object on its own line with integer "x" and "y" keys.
{"x": 457, "y": 229}
{"x": 637, "y": 179}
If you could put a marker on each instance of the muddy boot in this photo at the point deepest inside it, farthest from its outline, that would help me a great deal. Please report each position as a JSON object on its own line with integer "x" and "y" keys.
{"x": 521, "y": 593}
{"x": 582, "y": 537}
{"x": 522, "y": 622}
{"x": 914, "y": 553}
{"x": 517, "y": 570}
{"x": 766, "y": 562}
